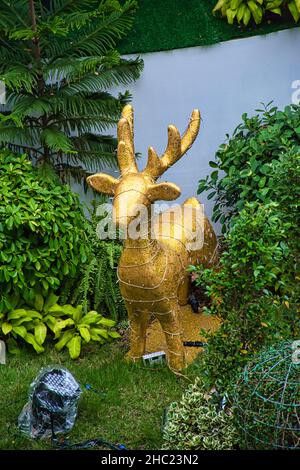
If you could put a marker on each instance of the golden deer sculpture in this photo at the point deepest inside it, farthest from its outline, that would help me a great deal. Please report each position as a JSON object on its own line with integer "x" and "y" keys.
{"x": 153, "y": 267}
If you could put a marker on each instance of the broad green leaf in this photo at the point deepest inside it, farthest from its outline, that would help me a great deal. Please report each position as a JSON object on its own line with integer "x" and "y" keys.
{"x": 219, "y": 5}
{"x": 240, "y": 12}
{"x": 50, "y": 321}
{"x": 114, "y": 334}
{"x": 64, "y": 339}
{"x": 18, "y": 313}
{"x": 91, "y": 317}
{"x": 50, "y": 301}
{"x": 60, "y": 325}
{"x": 6, "y": 327}
{"x": 106, "y": 322}
{"x": 77, "y": 313}
{"x": 20, "y": 331}
{"x": 100, "y": 331}
{"x": 29, "y": 338}
{"x": 256, "y": 11}
{"x": 294, "y": 11}
{"x": 246, "y": 16}
{"x": 40, "y": 332}
{"x": 39, "y": 302}
{"x": 84, "y": 333}
{"x": 74, "y": 347}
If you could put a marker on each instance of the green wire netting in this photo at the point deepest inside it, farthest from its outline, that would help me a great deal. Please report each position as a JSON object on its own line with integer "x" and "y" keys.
{"x": 267, "y": 399}
{"x": 172, "y": 24}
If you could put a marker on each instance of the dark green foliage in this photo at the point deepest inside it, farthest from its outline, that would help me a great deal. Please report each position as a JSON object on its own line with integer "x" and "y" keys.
{"x": 42, "y": 238}
{"x": 266, "y": 399}
{"x": 57, "y": 61}
{"x": 196, "y": 423}
{"x": 255, "y": 290}
{"x": 248, "y": 161}
{"x": 171, "y": 24}
{"x": 96, "y": 286}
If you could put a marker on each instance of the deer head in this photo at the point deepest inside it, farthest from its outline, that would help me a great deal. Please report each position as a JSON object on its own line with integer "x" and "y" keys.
{"x": 135, "y": 189}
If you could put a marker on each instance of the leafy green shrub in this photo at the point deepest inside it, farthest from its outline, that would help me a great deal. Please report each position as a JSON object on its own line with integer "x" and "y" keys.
{"x": 254, "y": 291}
{"x": 248, "y": 161}
{"x": 69, "y": 324}
{"x": 42, "y": 238}
{"x": 195, "y": 423}
{"x": 244, "y": 10}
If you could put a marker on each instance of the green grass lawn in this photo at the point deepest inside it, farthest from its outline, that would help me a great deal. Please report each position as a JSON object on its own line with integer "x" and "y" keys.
{"x": 130, "y": 413}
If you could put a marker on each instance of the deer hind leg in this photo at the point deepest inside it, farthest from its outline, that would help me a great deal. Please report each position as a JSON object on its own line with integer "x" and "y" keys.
{"x": 138, "y": 321}
{"x": 171, "y": 325}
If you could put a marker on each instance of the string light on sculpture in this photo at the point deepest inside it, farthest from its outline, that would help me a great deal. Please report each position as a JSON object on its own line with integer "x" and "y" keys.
{"x": 152, "y": 271}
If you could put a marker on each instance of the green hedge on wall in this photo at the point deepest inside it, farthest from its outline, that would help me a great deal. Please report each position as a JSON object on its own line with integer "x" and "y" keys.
{"x": 172, "y": 24}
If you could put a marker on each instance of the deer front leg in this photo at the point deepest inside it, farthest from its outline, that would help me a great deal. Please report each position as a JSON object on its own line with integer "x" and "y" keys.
{"x": 138, "y": 321}
{"x": 170, "y": 323}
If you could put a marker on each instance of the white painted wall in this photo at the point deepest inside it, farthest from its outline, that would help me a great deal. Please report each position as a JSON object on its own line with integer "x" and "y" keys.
{"x": 223, "y": 81}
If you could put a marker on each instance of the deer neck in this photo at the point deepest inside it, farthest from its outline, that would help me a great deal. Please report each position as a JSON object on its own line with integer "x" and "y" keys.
{"x": 144, "y": 243}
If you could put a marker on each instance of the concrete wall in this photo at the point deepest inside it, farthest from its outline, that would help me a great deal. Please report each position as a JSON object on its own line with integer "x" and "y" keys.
{"x": 223, "y": 81}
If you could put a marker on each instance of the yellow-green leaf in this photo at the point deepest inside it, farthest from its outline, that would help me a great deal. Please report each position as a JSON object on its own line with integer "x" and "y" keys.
{"x": 91, "y": 317}
{"x": 218, "y": 6}
{"x": 77, "y": 313}
{"x": 101, "y": 332}
{"x": 60, "y": 325}
{"x": 294, "y": 11}
{"x": 64, "y": 339}
{"x": 256, "y": 11}
{"x": 240, "y": 12}
{"x": 84, "y": 333}
{"x": 74, "y": 346}
{"x": 20, "y": 331}
{"x": 246, "y": 16}
{"x": 18, "y": 313}
{"x": 107, "y": 322}
{"x": 114, "y": 334}
{"x": 29, "y": 338}
{"x": 40, "y": 332}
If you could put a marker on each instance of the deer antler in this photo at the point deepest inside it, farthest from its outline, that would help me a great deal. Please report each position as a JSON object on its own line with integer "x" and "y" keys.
{"x": 176, "y": 148}
{"x": 126, "y": 155}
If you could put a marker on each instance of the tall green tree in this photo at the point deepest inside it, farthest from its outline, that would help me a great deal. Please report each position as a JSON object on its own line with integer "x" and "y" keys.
{"x": 58, "y": 59}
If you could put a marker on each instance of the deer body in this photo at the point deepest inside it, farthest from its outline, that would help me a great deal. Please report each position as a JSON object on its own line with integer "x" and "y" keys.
{"x": 152, "y": 269}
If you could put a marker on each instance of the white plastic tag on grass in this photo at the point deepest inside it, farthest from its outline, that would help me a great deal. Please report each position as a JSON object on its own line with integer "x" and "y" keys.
{"x": 2, "y": 353}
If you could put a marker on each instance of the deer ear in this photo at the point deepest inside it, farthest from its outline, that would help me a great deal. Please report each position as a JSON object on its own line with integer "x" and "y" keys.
{"x": 103, "y": 183}
{"x": 163, "y": 191}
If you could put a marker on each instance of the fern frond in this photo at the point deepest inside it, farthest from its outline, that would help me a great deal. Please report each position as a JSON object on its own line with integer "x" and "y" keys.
{"x": 126, "y": 72}
{"x": 56, "y": 140}
{"x": 19, "y": 77}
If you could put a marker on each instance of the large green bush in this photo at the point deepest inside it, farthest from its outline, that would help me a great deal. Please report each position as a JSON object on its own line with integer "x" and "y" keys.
{"x": 254, "y": 293}
{"x": 197, "y": 423}
{"x": 243, "y": 170}
{"x": 42, "y": 232}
